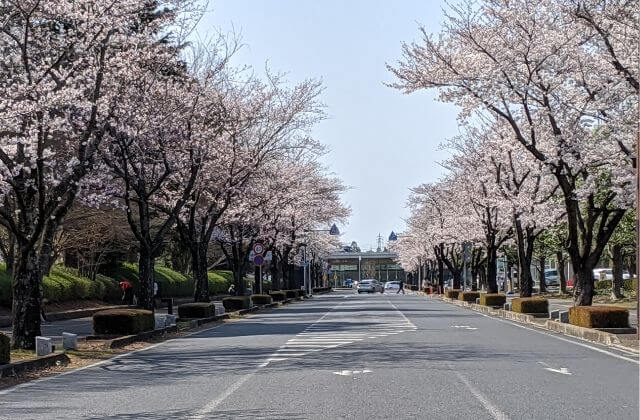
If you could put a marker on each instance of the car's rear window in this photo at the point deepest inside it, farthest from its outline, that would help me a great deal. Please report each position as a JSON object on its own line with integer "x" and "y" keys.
{"x": 365, "y": 282}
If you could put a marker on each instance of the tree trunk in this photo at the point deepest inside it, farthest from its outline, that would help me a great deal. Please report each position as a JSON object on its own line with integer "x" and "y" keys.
{"x": 275, "y": 271}
{"x": 583, "y": 293}
{"x": 617, "y": 282}
{"x": 146, "y": 277}
{"x": 543, "y": 284}
{"x": 200, "y": 275}
{"x": 525, "y": 241}
{"x": 561, "y": 273}
{"x": 26, "y": 307}
{"x": 492, "y": 285}
{"x": 440, "y": 275}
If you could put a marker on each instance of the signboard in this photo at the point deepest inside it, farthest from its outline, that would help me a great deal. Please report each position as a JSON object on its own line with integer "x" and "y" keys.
{"x": 268, "y": 256}
{"x": 258, "y": 248}
{"x": 258, "y": 260}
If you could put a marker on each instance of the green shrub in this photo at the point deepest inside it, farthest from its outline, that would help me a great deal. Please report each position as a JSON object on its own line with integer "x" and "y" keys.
{"x": 123, "y": 321}
{"x": 219, "y": 281}
{"x": 492, "y": 299}
{"x": 599, "y": 316}
{"x": 278, "y": 295}
{"x": 291, "y": 294}
{"x": 602, "y": 285}
{"x": 468, "y": 296}
{"x": 235, "y": 303}
{"x": 261, "y": 299}
{"x": 531, "y": 305}
{"x": 5, "y": 287}
{"x": 5, "y": 349}
{"x": 196, "y": 310}
{"x": 452, "y": 293}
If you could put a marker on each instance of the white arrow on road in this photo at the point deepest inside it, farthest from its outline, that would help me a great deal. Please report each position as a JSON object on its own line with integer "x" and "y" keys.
{"x": 562, "y": 371}
{"x": 351, "y": 372}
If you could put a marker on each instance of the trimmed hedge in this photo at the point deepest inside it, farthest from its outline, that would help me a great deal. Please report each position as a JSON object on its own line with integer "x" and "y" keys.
{"x": 123, "y": 321}
{"x": 5, "y": 349}
{"x": 261, "y": 299}
{"x": 492, "y": 299}
{"x": 319, "y": 290}
{"x": 599, "y": 316}
{"x": 196, "y": 310}
{"x": 65, "y": 284}
{"x": 174, "y": 284}
{"x": 452, "y": 293}
{"x": 468, "y": 296}
{"x": 278, "y": 295}
{"x": 235, "y": 303}
{"x": 531, "y": 305}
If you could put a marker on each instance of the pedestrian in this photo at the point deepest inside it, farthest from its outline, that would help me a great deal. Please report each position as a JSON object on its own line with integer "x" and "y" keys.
{"x": 127, "y": 292}
{"x": 232, "y": 290}
{"x": 401, "y": 288}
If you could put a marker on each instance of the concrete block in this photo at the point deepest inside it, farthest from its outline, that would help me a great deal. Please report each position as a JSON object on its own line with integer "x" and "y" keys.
{"x": 564, "y": 317}
{"x": 160, "y": 321}
{"x": 69, "y": 341}
{"x": 554, "y": 314}
{"x": 507, "y": 306}
{"x": 43, "y": 346}
{"x": 219, "y": 309}
{"x": 477, "y": 301}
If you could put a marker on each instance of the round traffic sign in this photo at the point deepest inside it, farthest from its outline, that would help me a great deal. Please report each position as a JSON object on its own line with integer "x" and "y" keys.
{"x": 258, "y": 259}
{"x": 258, "y": 248}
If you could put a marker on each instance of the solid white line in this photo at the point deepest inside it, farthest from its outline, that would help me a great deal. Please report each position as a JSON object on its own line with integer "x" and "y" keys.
{"x": 495, "y": 412}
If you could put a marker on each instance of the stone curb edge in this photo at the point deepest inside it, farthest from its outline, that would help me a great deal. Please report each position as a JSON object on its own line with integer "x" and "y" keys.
{"x": 15, "y": 368}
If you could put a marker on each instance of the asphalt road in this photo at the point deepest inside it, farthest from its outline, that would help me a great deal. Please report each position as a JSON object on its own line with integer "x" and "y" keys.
{"x": 347, "y": 356}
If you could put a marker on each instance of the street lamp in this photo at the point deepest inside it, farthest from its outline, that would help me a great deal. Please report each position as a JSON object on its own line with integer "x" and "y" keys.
{"x": 333, "y": 231}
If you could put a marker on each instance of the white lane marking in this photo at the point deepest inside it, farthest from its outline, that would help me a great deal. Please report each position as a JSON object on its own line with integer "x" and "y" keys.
{"x": 562, "y": 370}
{"x": 495, "y": 412}
{"x": 617, "y": 356}
{"x": 351, "y": 372}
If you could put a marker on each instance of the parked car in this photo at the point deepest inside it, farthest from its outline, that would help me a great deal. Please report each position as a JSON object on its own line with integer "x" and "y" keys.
{"x": 348, "y": 283}
{"x": 370, "y": 286}
{"x": 392, "y": 286}
{"x": 551, "y": 277}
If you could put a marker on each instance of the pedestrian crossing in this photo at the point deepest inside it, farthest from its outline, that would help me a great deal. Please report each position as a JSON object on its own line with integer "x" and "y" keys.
{"x": 347, "y": 323}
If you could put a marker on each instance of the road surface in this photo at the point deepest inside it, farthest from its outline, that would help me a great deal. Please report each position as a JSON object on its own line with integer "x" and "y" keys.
{"x": 343, "y": 355}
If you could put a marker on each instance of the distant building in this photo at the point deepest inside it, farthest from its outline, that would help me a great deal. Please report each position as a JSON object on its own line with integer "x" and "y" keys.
{"x": 363, "y": 265}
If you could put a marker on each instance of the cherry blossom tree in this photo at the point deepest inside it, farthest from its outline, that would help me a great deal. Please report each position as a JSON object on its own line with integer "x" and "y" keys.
{"x": 61, "y": 78}
{"x": 526, "y": 63}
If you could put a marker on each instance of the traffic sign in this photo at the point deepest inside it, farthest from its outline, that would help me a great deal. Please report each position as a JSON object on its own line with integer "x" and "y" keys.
{"x": 258, "y": 248}
{"x": 258, "y": 259}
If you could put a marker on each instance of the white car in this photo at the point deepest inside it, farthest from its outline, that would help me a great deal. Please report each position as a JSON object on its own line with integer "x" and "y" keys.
{"x": 607, "y": 273}
{"x": 392, "y": 286}
{"x": 370, "y": 286}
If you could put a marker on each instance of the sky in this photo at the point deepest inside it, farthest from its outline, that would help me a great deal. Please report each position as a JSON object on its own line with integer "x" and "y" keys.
{"x": 381, "y": 142}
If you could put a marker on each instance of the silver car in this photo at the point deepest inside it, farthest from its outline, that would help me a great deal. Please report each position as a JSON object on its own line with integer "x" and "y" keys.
{"x": 370, "y": 286}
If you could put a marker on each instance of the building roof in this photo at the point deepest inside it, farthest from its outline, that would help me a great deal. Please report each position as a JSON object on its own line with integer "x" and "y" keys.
{"x": 365, "y": 255}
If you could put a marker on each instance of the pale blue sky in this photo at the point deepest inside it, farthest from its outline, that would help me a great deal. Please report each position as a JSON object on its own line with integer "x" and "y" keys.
{"x": 382, "y": 142}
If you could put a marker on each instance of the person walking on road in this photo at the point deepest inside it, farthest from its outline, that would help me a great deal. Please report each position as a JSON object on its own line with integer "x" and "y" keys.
{"x": 401, "y": 288}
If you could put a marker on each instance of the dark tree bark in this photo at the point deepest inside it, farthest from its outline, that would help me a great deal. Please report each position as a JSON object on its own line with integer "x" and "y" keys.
{"x": 561, "y": 273}
{"x": 439, "y": 251}
{"x": 525, "y": 239}
{"x": 451, "y": 256}
{"x": 541, "y": 264}
{"x": 618, "y": 280}
{"x": 26, "y": 305}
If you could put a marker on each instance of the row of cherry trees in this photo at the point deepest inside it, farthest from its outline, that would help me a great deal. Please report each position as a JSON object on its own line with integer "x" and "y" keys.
{"x": 548, "y": 97}
{"x": 104, "y": 103}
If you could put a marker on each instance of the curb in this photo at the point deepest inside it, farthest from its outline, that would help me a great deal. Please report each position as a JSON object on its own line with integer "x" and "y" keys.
{"x": 128, "y": 339}
{"x": 588, "y": 334}
{"x": 5, "y": 321}
{"x": 15, "y": 368}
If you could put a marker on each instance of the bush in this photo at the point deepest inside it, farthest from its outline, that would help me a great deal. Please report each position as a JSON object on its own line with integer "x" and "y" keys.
{"x": 196, "y": 310}
{"x": 123, "y": 321}
{"x": 631, "y": 286}
{"x": 235, "y": 303}
{"x": 492, "y": 299}
{"x": 599, "y": 316}
{"x": 468, "y": 296}
{"x": 291, "y": 294}
{"x": 452, "y": 293}
{"x": 219, "y": 281}
{"x": 602, "y": 285}
{"x": 5, "y": 349}
{"x": 261, "y": 299}
{"x": 278, "y": 296}
{"x": 531, "y": 305}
